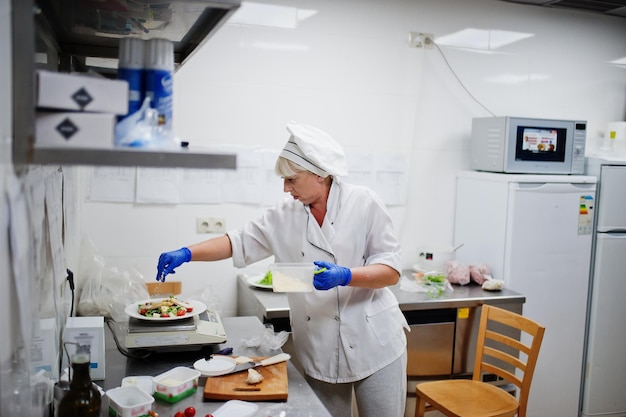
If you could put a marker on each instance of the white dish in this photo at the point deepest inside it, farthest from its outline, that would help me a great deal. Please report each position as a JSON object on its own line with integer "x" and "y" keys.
{"x": 236, "y": 408}
{"x": 216, "y": 366}
{"x": 131, "y": 310}
{"x": 254, "y": 282}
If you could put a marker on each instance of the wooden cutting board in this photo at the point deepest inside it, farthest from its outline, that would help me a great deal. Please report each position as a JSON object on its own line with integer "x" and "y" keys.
{"x": 229, "y": 387}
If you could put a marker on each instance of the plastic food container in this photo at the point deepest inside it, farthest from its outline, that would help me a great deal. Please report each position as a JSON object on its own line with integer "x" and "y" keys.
{"x": 143, "y": 382}
{"x": 176, "y": 384}
{"x": 130, "y": 401}
{"x": 236, "y": 408}
{"x": 292, "y": 277}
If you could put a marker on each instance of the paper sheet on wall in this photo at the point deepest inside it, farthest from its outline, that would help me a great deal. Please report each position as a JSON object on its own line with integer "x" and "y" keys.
{"x": 54, "y": 214}
{"x": 360, "y": 168}
{"x": 384, "y": 173}
{"x": 245, "y": 184}
{"x": 158, "y": 185}
{"x": 112, "y": 184}
{"x": 391, "y": 183}
{"x": 35, "y": 191}
{"x": 71, "y": 230}
{"x": 201, "y": 186}
{"x": 21, "y": 264}
{"x": 273, "y": 184}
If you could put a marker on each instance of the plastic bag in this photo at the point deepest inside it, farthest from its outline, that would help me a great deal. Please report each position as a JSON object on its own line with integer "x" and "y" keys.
{"x": 143, "y": 130}
{"x": 267, "y": 339}
{"x": 480, "y": 273}
{"x": 458, "y": 273}
{"x": 105, "y": 290}
{"x": 434, "y": 285}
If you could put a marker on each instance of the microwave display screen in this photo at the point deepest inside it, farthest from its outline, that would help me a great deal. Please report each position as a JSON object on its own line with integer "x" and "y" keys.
{"x": 540, "y": 144}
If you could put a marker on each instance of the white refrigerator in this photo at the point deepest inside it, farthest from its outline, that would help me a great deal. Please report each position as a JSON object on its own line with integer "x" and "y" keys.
{"x": 604, "y": 386}
{"x": 534, "y": 232}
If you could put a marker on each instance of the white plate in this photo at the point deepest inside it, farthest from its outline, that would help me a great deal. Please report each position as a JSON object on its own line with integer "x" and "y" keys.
{"x": 254, "y": 282}
{"x": 236, "y": 408}
{"x": 216, "y": 366}
{"x": 131, "y": 310}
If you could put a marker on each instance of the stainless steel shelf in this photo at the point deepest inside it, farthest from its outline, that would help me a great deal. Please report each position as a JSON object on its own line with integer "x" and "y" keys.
{"x": 69, "y": 32}
{"x": 133, "y": 157}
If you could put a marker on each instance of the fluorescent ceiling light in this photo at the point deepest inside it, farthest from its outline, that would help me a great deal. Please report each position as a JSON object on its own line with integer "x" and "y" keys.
{"x": 482, "y": 39}
{"x": 258, "y": 14}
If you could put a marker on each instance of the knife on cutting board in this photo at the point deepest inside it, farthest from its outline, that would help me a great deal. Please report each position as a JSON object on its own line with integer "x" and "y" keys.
{"x": 281, "y": 357}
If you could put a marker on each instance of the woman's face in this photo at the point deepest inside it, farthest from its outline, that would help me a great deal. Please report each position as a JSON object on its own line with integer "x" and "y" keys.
{"x": 305, "y": 187}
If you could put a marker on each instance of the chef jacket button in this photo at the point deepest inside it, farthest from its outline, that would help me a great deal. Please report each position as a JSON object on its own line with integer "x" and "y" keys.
{"x": 337, "y": 318}
{"x": 308, "y": 318}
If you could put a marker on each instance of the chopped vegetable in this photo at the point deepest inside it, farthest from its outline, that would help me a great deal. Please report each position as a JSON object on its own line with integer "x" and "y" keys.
{"x": 435, "y": 284}
{"x": 169, "y": 307}
{"x": 438, "y": 279}
{"x": 267, "y": 279}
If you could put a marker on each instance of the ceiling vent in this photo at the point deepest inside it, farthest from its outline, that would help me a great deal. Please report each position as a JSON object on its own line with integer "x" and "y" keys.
{"x": 607, "y": 7}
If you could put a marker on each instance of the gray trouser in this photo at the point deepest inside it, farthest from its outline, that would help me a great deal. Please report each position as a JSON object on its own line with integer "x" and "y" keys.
{"x": 380, "y": 394}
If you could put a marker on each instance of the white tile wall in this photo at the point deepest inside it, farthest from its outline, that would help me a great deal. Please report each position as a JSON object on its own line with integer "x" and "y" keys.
{"x": 349, "y": 70}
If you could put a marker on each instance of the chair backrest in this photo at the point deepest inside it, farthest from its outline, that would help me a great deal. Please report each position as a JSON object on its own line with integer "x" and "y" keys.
{"x": 499, "y": 352}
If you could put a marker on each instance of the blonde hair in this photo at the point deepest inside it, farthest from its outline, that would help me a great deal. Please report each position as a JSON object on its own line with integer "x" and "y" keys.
{"x": 286, "y": 168}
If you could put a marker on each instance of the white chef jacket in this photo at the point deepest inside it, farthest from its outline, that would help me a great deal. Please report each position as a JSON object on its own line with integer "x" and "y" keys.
{"x": 347, "y": 333}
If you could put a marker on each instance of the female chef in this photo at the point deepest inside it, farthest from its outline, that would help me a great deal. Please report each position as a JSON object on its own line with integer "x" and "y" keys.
{"x": 349, "y": 333}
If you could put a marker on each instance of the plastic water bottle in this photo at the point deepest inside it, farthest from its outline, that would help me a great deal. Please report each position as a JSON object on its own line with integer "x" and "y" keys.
{"x": 130, "y": 69}
{"x": 159, "y": 73}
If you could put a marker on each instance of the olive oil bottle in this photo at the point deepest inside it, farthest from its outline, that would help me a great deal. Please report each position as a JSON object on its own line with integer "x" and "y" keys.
{"x": 83, "y": 398}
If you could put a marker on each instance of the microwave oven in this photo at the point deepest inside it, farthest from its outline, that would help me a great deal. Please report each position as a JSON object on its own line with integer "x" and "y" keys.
{"x": 528, "y": 145}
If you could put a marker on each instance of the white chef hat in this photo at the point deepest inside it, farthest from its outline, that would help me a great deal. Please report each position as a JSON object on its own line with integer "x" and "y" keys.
{"x": 314, "y": 150}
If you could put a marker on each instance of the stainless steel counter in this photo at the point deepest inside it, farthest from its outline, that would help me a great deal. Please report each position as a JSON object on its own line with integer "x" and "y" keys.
{"x": 443, "y": 329}
{"x": 301, "y": 396}
{"x": 271, "y": 307}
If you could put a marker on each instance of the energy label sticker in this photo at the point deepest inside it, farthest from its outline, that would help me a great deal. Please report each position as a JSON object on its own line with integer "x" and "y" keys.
{"x": 585, "y": 215}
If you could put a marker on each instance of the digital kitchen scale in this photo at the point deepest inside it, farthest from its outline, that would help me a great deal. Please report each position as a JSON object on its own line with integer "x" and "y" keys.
{"x": 190, "y": 333}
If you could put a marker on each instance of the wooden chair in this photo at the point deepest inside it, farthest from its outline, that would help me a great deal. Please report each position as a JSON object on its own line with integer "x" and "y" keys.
{"x": 497, "y": 354}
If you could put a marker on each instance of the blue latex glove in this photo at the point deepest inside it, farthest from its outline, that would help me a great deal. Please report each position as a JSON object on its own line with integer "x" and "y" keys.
{"x": 170, "y": 260}
{"x": 333, "y": 276}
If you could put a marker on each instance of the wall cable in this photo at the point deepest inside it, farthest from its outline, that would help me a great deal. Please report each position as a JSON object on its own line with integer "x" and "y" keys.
{"x": 459, "y": 80}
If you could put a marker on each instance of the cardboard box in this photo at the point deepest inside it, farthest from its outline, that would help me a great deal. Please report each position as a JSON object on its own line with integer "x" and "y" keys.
{"x": 75, "y": 130}
{"x": 87, "y": 331}
{"x": 62, "y": 91}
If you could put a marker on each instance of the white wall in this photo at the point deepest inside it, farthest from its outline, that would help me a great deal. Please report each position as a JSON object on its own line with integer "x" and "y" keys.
{"x": 348, "y": 69}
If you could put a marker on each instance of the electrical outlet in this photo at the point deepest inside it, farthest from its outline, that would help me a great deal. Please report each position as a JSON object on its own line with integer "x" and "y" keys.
{"x": 210, "y": 225}
{"x": 421, "y": 40}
